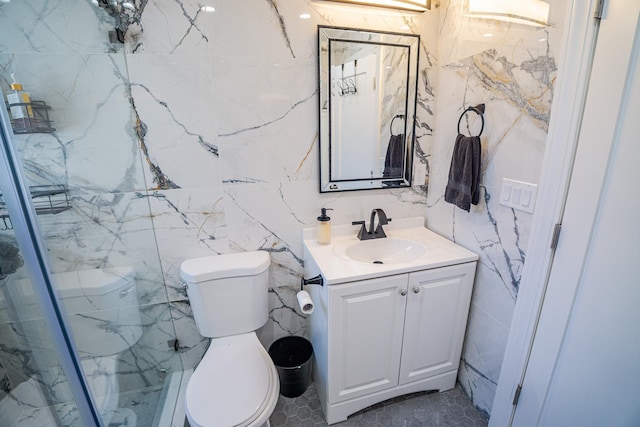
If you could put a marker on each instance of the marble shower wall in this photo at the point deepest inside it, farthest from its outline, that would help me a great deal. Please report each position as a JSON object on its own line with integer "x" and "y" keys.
{"x": 512, "y": 71}
{"x": 228, "y": 107}
{"x": 197, "y": 136}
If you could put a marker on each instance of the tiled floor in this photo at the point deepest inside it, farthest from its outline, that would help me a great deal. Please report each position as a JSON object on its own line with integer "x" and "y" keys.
{"x": 449, "y": 408}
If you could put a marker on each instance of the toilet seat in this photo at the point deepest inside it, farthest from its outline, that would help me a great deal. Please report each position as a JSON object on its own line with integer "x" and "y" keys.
{"x": 235, "y": 384}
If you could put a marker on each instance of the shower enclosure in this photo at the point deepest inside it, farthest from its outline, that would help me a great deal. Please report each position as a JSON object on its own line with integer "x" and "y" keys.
{"x": 86, "y": 329}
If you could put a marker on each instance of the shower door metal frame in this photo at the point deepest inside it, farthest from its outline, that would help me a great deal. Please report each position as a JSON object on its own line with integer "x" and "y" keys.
{"x": 22, "y": 213}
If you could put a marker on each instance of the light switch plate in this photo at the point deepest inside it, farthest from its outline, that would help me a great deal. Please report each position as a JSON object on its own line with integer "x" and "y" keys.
{"x": 518, "y": 195}
{"x": 419, "y": 174}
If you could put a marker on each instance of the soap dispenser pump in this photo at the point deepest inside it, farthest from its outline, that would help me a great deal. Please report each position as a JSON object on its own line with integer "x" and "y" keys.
{"x": 324, "y": 227}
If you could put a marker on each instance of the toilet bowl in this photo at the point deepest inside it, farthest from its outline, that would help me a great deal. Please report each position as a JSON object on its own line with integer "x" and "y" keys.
{"x": 236, "y": 382}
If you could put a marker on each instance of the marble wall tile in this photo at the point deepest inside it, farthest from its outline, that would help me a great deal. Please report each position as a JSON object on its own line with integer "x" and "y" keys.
{"x": 265, "y": 112}
{"x": 106, "y": 230}
{"x": 77, "y": 27}
{"x": 172, "y": 101}
{"x": 147, "y": 362}
{"x": 188, "y": 223}
{"x": 513, "y": 74}
{"x": 192, "y": 345}
{"x": 179, "y": 27}
{"x": 94, "y": 147}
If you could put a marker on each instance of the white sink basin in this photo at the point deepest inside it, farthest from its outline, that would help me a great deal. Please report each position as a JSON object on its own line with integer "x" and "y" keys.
{"x": 408, "y": 247}
{"x": 381, "y": 251}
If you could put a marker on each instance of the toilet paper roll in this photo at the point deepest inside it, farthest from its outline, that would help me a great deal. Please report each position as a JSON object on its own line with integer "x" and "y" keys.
{"x": 305, "y": 302}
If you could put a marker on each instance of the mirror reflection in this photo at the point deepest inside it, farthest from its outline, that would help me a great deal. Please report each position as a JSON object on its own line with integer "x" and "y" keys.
{"x": 368, "y": 89}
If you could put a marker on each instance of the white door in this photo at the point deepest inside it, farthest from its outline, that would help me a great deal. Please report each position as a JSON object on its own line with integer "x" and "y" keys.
{"x": 435, "y": 321}
{"x": 365, "y": 336}
{"x": 584, "y": 368}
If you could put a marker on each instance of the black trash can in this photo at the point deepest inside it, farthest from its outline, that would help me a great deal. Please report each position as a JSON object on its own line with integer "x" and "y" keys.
{"x": 292, "y": 357}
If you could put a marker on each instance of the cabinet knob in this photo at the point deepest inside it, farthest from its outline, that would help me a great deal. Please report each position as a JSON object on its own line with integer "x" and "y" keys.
{"x": 403, "y": 292}
{"x": 416, "y": 290}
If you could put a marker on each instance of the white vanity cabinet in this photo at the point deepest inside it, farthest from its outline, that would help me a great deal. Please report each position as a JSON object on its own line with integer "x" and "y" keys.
{"x": 391, "y": 314}
{"x": 380, "y": 338}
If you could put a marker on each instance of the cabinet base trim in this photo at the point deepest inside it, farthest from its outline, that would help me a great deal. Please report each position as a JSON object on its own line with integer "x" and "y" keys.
{"x": 337, "y": 412}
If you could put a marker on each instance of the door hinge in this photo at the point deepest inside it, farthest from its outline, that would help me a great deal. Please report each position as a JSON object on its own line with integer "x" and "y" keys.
{"x": 516, "y": 395}
{"x": 556, "y": 236}
{"x": 597, "y": 14}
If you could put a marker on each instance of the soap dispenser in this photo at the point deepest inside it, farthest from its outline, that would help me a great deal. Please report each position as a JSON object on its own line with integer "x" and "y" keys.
{"x": 324, "y": 227}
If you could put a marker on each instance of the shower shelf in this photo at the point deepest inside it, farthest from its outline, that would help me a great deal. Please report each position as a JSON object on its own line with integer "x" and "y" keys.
{"x": 47, "y": 199}
{"x": 39, "y": 123}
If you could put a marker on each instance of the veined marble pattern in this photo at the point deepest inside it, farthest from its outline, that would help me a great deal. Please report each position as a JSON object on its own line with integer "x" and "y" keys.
{"x": 253, "y": 67}
{"x": 513, "y": 74}
{"x": 69, "y": 27}
{"x": 196, "y": 137}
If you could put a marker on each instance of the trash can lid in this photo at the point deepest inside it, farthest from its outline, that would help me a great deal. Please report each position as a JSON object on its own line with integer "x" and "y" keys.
{"x": 233, "y": 383}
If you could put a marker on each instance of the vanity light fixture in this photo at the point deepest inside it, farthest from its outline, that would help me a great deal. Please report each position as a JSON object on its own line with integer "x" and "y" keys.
{"x": 528, "y": 12}
{"x": 412, "y": 5}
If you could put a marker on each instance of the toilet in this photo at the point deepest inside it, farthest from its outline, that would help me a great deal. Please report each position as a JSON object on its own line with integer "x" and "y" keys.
{"x": 236, "y": 382}
{"x": 103, "y": 310}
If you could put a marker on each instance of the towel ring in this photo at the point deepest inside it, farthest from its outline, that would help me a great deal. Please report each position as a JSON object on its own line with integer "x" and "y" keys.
{"x": 397, "y": 116}
{"x": 479, "y": 110}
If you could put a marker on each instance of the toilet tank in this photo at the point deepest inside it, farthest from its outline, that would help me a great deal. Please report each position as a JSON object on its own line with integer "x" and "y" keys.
{"x": 228, "y": 293}
{"x": 102, "y": 305}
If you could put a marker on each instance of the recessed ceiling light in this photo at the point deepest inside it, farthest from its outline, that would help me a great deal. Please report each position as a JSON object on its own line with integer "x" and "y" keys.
{"x": 305, "y": 16}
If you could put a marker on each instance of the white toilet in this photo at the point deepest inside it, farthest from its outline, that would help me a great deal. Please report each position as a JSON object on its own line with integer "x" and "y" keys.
{"x": 236, "y": 383}
{"x": 103, "y": 311}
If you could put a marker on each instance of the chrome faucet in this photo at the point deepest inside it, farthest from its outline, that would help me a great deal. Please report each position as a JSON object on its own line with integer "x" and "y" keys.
{"x": 376, "y": 233}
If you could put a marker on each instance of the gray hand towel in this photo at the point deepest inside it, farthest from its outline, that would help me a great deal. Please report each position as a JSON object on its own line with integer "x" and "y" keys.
{"x": 463, "y": 187}
{"x": 395, "y": 157}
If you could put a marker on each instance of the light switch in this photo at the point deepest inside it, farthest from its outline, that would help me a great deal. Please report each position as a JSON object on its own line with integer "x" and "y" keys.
{"x": 515, "y": 198}
{"x": 506, "y": 193}
{"x": 518, "y": 195}
{"x": 525, "y": 197}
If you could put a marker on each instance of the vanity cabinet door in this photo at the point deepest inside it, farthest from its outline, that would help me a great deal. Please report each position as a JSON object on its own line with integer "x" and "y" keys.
{"x": 436, "y": 317}
{"x": 365, "y": 336}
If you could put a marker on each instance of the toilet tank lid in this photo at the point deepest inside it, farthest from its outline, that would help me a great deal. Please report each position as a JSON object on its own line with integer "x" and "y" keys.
{"x": 197, "y": 270}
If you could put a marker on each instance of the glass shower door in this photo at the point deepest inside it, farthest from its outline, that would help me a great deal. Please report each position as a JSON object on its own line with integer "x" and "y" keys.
{"x": 83, "y": 169}
{"x": 34, "y": 390}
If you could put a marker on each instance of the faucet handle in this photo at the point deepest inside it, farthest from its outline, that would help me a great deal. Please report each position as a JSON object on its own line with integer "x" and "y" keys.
{"x": 363, "y": 230}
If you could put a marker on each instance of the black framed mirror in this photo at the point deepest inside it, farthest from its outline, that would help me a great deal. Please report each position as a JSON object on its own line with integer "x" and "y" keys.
{"x": 368, "y": 85}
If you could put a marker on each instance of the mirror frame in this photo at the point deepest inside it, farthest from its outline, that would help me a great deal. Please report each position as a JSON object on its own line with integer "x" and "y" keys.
{"x": 327, "y": 34}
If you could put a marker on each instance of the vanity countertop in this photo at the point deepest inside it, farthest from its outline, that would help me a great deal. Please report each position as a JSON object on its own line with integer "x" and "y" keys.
{"x": 329, "y": 260}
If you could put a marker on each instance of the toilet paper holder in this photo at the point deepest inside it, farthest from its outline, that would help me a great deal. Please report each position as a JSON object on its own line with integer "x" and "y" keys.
{"x": 317, "y": 280}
